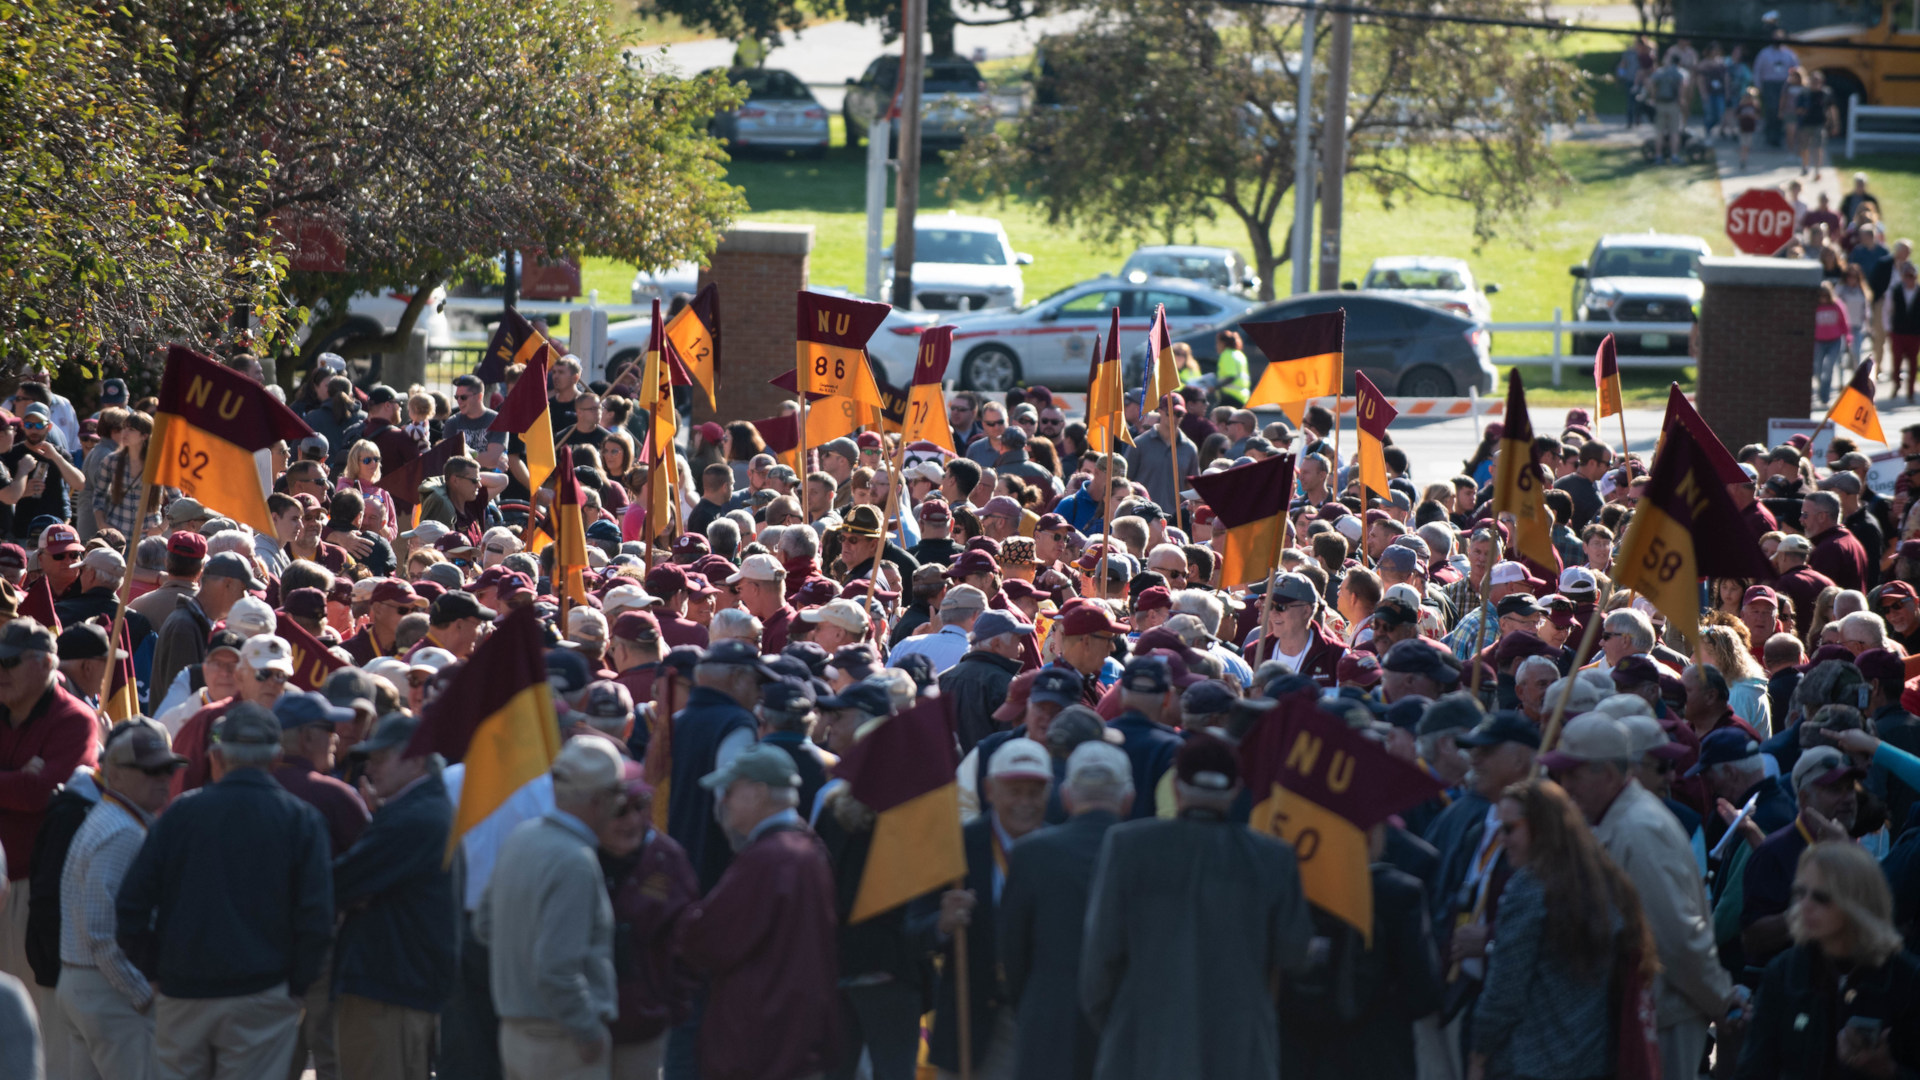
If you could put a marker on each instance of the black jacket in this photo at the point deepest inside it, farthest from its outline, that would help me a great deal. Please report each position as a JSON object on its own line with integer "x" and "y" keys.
{"x": 974, "y": 688}
{"x": 807, "y": 761}
{"x": 232, "y": 893}
{"x": 400, "y": 943}
{"x": 985, "y": 991}
{"x": 66, "y": 812}
{"x": 899, "y": 942}
{"x": 1042, "y": 915}
{"x": 1800, "y": 1010}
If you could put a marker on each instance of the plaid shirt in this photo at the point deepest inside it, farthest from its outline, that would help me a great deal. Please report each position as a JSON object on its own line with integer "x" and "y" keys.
{"x": 102, "y": 851}
{"x": 125, "y": 514}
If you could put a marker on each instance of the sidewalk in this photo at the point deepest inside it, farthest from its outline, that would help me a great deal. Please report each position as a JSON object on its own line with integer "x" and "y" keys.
{"x": 1768, "y": 167}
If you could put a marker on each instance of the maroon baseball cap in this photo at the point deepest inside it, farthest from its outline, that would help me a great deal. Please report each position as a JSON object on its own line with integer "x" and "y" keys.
{"x": 1023, "y": 590}
{"x": 972, "y": 562}
{"x": 1760, "y": 594}
{"x": 1153, "y": 598}
{"x": 690, "y": 546}
{"x": 698, "y": 585}
{"x": 1052, "y": 523}
{"x": 1089, "y": 618}
{"x": 1358, "y": 669}
{"x": 935, "y": 510}
{"x": 636, "y": 626}
{"x": 1897, "y": 590}
{"x": 862, "y": 586}
{"x": 715, "y": 568}
{"x": 666, "y": 579}
{"x": 15, "y": 556}
{"x": 307, "y": 603}
{"x": 816, "y": 593}
{"x": 395, "y": 591}
{"x": 867, "y": 440}
{"x": 59, "y": 538}
{"x": 1001, "y": 506}
{"x": 308, "y": 504}
{"x": 187, "y": 545}
{"x": 429, "y": 591}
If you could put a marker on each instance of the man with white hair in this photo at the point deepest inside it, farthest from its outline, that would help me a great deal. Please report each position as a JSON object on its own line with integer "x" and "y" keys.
{"x": 1044, "y": 910}
{"x": 1530, "y": 682}
{"x": 960, "y": 608}
{"x": 101, "y": 570}
{"x": 1863, "y": 630}
{"x": 1625, "y": 633}
{"x": 228, "y": 911}
{"x": 1836, "y": 552}
{"x": 1593, "y": 761}
{"x": 735, "y": 624}
{"x": 547, "y": 922}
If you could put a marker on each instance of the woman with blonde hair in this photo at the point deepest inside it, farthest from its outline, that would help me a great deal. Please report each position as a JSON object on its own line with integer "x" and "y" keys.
{"x": 1845, "y": 1000}
{"x": 1822, "y": 615}
{"x": 1727, "y": 648}
{"x": 362, "y": 474}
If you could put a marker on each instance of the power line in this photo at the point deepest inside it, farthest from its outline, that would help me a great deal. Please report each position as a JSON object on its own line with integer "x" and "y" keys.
{"x": 1554, "y": 27}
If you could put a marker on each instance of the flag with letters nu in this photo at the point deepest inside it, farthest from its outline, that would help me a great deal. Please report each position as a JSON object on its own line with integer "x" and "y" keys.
{"x": 514, "y": 341}
{"x": 1854, "y": 411}
{"x": 1320, "y": 785}
{"x": 213, "y": 437}
{"x": 1372, "y": 413}
{"x": 830, "y": 353}
{"x": 525, "y": 413}
{"x": 1163, "y": 377}
{"x": 1250, "y": 502}
{"x": 695, "y": 334}
{"x": 902, "y": 769}
{"x": 312, "y": 660}
{"x": 926, "y": 404}
{"x": 497, "y": 716}
{"x": 1107, "y": 393}
{"x": 1306, "y": 358}
{"x": 1517, "y": 486}
{"x": 1606, "y": 379}
{"x": 1660, "y": 558}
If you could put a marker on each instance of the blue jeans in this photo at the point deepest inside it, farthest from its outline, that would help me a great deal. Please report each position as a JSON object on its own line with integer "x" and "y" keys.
{"x": 1716, "y": 112}
{"x": 1827, "y": 356}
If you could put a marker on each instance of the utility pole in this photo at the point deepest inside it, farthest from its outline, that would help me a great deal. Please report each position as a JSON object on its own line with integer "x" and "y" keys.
{"x": 906, "y": 199}
{"x": 510, "y": 261}
{"x": 878, "y": 135}
{"x": 1302, "y": 254}
{"x": 1333, "y": 149}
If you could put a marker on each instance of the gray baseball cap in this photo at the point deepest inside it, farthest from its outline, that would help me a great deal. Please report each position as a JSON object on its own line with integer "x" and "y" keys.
{"x": 231, "y": 564}
{"x": 761, "y": 763}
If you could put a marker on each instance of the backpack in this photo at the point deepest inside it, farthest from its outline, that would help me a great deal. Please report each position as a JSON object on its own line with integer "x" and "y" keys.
{"x": 1666, "y": 85}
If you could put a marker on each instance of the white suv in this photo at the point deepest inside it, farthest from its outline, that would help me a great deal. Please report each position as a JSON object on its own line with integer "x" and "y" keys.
{"x": 960, "y": 263}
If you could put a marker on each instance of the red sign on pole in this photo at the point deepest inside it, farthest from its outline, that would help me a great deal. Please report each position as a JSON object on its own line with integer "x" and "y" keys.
{"x": 1760, "y": 221}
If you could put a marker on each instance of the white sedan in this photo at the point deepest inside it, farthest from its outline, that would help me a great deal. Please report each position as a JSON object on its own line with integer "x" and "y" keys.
{"x": 1433, "y": 280}
{"x": 895, "y": 345}
{"x": 1049, "y": 342}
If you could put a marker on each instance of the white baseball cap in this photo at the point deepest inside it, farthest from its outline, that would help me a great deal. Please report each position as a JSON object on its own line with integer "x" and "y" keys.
{"x": 844, "y": 614}
{"x": 429, "y": 659}
{"x": 758, "y": 568}
{"x": 626, "y": 598}
{"x": 267, "y": 652}
{"x": 1508, "y": 573}
{"x": 250, "y": 616}
{"x": 426, "y": 534}
{"x": 1101, "y": 759}
{"x": 1023, "y": 758}
{"x": 1577, "y": 579}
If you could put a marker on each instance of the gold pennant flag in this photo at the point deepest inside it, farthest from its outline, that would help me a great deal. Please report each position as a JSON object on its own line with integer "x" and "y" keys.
{"x": 1372, "y": 413}
{"x": 1518, "y": 488}
{"x": 926, "y": 404}
{"x": 695, "y": 334}
{"x": 1854, "y": 410}
{"x": 830, "y": 353}
{"x": 1165, "y": 377}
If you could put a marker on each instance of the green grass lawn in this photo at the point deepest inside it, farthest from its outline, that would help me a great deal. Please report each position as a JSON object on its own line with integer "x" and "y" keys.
{"x": 1612, "y": 192}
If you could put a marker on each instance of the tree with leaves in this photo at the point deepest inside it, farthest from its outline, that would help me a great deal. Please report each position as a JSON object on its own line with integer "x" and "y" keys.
{"x": 768, "y": 20}
{"x": 112, "y": 241}
{"x": 1163, "y": 116}
{"x": 427, "y": 136}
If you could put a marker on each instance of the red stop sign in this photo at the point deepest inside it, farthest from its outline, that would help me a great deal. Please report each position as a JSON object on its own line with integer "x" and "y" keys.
{"x": 1760, "y": 221}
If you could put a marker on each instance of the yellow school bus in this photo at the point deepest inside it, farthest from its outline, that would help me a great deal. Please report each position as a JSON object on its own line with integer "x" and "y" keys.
{"x": 1879, "y": 77}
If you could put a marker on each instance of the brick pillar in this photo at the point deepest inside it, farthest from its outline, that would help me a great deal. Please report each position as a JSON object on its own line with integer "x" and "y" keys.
{"x": 1756, "y": 343}
{"x": 758, "y": 269}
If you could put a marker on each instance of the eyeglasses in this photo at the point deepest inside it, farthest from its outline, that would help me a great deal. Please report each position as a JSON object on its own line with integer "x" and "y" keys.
{"x": 471, "y": 478}
{"x": 34, "y": 425}
{"x": 463, "y": 398}
{"x": 369, "y": 461}
{"x": 993, "y": 423}
{"x": 1822, "y": 897}
{"x": 64, "y": 556}
{"x": 419, "y": 678}
{"x": 158, "y": 771}
{"x": 491, "y": 550}
{"x": 8, "y": 663}
{"x": 271, "y": 676}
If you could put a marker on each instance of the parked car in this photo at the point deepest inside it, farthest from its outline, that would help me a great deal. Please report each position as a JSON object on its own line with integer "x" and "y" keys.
{"x": 895, "y": 345}
{"x": 370, "y": 314}
{"x": 1409, "y": 349}
{"x": 780, "y": 113}
{"x": 1216, "y": 267}
{"x": 960, "y": 263}
{"x": 1639, "y": 277}
{"x": 1050, "y": 341}
{"x": 1435, "y": 280}
{"x": 953, "y": 102}
{"x": 663, "y": 285}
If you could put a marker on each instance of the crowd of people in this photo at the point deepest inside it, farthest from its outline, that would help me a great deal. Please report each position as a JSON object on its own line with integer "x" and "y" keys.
{"x": 1665, "y": 856}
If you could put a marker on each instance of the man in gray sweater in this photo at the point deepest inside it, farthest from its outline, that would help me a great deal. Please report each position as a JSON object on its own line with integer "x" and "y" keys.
{"x": 549, "y": 925}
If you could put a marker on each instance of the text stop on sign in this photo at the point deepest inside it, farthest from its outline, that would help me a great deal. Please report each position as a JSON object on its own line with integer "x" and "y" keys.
{"x": 1760, "y": 221}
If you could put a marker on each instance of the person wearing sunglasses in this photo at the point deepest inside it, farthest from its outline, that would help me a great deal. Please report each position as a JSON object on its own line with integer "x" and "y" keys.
{"x": 54, "y": 478}
{"x": 362, "y": 474}
{"x": 986, "y": 450}
{"x": 261, "y": 677}
{"x": 103, "y": 995}
{"x": 1865, "y": 1024}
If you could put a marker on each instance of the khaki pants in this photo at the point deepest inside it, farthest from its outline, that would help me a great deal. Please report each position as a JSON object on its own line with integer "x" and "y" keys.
{"x": 236, "y": 1038}
{"x": 544, "y": 1050}
{"x": 107, "y": 1039}
{"x": 56, "y": 1030}
{"x": 13, "y": 932}
{"x": 1683, "y": 1046}
{"x": 316, "y": 1029}
{"x": 381, "y": 1041}
{"x": 640, "y": 1061}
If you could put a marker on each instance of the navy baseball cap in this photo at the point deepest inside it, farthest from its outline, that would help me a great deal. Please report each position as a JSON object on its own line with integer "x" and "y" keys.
{"x": 1058, "y": 686}
{"x": 298, "y": 708}
{"x": 867, "y": 697}
{"x": 1720, "y": 747}
{"x": 1502, "y": 727}
{"x": 1146, "y": 675}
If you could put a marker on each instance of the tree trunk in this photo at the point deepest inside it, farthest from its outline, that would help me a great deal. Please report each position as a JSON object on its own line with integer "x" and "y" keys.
{"x": 941, "y": 23}
{"x": 1265, "y": 259}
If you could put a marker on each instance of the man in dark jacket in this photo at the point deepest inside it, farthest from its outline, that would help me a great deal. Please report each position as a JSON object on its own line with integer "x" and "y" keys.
{"x": 714, "y": 728}
{"x": 977, "y": 685}
{"x": 787, "y": 716}
{"x": 1147, "y": 696}
{"x": 1043, "y": 912}
{"x": 398, "y": 954}
{"x": 772, "y": 1009}
{"x": 228, "y": 909}
{"x": 1019, "y": 778}
{"x": 1836, "y": 552}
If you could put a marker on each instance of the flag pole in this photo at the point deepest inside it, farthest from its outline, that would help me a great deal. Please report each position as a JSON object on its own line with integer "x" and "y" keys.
{"x": 125, "y": 592}
{"x": 1625, "y": 451}
{"x": 880, "y": 549}
{"x": 1566, "y": 692}
{"x": 1480, "y": 634}
{"x": 1265, "y": 651}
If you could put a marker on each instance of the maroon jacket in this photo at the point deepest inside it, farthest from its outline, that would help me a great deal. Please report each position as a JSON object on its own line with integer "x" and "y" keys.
{"x": 1804, "y": 584}
{"x": 765, "y": 938}
{"x": 1322, "y": 661}
{"x": 1837, "y": 554}
{"x": 651, "y": 889}
{"x": 60, "y": 731}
